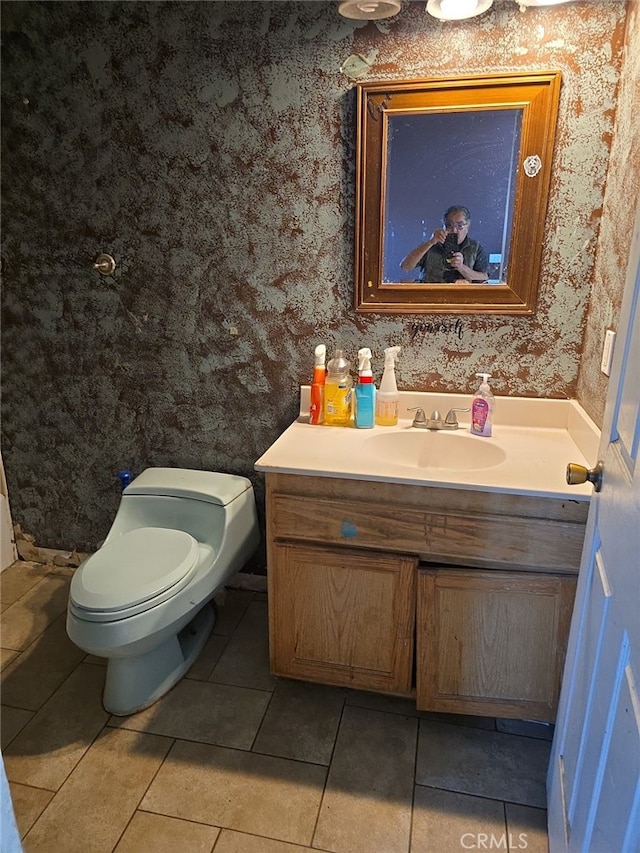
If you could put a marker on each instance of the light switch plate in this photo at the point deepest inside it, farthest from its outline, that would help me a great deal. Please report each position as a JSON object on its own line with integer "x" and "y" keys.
{"x": 607, "y": 352}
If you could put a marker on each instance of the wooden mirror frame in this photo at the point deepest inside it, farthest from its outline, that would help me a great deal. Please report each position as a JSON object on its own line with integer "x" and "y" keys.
{"x": 537, "y": 94}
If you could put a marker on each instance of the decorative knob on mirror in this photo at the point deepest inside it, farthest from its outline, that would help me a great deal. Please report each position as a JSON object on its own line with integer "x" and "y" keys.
{"x": 105, "y": 264}
{"x": 578, "y": 474}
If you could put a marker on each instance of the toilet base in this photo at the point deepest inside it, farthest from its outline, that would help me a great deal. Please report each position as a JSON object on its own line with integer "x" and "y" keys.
{"x": 134, "y": 683}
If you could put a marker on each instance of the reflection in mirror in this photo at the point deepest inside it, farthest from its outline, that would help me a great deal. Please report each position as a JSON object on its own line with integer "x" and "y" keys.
{"x": 475, "y": 149}
{"x": 470, "y": 159}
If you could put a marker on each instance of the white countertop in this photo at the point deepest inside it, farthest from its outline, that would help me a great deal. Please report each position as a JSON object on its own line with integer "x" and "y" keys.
{"x": 538, "y": 437}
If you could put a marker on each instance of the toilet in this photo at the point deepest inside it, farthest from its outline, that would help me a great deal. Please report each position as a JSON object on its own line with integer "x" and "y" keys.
{"x": 143, "y": 600}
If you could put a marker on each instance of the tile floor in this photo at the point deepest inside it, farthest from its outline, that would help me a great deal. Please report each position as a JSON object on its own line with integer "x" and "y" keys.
{"x": 234, "y": 760}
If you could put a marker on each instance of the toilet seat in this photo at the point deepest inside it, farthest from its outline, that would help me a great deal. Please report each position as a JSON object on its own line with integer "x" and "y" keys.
{"x": 136, "y": 571}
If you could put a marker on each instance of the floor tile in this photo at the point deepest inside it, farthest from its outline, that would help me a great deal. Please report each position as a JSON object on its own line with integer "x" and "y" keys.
{"x": 6, "y": 656}
{"x": 380, "y": 702}
{"x": 28, "y": 805}
{"x": 488, "y": 764}
{"x": 19, "y": 578}
{"x": 407, "y": 707}
{"x": 154, "y": 833}
{"x": 527, "y": 728}
{"x": 28, "y": 617}
{"x": 245, "y": 661}
{"x": 469, "y": 720}
{"x": 206, "y": 661}
{"x": 232, "y": 611}
{"x": 199, "y": 710}
{"x": 41, "y": 668}
{"x": 527, "y": 828}
{"x": 301, "y": 722}
{"x": 13, "y": 720}
{"x": 257, "y": 794}
{"x": 51, "y": 744}
{"x": 240, "y": 842}
{"x": 451, "y": 822}
{"x": 94, "y": 806}
{"x": 367, "y": 802}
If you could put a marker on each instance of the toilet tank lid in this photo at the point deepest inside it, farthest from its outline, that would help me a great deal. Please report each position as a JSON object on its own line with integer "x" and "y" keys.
{"x": 210, "y": 486}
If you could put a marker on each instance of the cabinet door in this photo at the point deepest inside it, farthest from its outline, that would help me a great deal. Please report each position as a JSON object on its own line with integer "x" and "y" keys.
{"x": 492, "y": 643}
{"x": 342, "y": 616}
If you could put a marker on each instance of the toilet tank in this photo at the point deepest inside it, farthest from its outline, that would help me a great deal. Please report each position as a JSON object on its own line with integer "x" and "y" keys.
{"x": 210, "y": 486}
{"x": 181, "y": 499}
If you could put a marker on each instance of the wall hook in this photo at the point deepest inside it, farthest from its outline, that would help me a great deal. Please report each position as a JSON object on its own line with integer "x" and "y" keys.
{"x": 105, "y": 264}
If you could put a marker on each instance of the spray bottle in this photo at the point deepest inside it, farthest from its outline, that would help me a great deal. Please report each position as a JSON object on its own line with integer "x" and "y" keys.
{"x": 365, "y": 391}
{"x": 482, "y": 407}
{"x": 316, "y": 406}
{"x": 388, "y": 397}
{"x": 338, "y": 390}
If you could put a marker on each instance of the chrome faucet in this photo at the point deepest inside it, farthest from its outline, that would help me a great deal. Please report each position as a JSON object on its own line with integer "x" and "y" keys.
{"x": 435, "y": 421}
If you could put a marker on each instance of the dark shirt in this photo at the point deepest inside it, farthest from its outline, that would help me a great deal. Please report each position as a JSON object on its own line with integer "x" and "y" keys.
{"x": 434, "y": 267}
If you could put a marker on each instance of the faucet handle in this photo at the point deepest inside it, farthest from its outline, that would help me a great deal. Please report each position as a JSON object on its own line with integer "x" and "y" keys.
{"x": 451, "y": 418}
{"x": 420, "y": 418}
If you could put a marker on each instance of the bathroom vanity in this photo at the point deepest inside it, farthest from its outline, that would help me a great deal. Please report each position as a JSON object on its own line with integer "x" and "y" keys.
{"x": 395, "y": 565}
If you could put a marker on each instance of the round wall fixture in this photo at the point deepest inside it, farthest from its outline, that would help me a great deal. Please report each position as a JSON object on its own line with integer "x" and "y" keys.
{"x": 105, "y": 264}
{"x": 457, "y": 10}
{"x": 369, "y": 10}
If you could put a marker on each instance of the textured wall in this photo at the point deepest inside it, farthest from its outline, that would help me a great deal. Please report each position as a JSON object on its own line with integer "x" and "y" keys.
{"x": 622, "y": 195}
{"x": 209, "y": 147}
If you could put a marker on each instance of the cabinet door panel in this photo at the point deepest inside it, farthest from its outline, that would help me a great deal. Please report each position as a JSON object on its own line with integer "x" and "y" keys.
{"x": 492, "y": 643}
{"x": 342, "y": 616}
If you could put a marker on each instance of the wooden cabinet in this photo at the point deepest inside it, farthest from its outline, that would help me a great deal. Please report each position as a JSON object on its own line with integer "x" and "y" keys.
{"x": 343, "y": 617}
{"x": 491, "y": 643}
{"x": 484, "y": 581}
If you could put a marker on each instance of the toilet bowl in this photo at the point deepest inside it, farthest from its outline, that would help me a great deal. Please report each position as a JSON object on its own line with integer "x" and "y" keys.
{"x": 143, "y": 600}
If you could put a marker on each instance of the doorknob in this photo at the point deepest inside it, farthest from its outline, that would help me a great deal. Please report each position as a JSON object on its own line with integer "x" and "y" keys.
{"x": 577, "y": 474}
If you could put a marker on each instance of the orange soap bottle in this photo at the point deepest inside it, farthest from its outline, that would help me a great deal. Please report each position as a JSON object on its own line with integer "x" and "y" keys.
{"x": 316, "y": 406}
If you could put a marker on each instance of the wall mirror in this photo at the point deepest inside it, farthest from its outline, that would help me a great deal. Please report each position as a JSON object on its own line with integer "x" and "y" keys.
{"x": 482, "y": 142}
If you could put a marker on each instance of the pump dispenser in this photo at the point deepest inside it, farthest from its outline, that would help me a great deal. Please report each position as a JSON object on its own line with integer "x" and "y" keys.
{"x": 365, "y": 391}
{"x": 482, "y": 407}
{"x": 338, "y": 390}
{"x": 316, "y": 413}
{"x": 388, "y": 397}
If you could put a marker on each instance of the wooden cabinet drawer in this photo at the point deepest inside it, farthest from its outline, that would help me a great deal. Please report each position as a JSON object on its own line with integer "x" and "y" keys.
{"x": 474, "y": 539}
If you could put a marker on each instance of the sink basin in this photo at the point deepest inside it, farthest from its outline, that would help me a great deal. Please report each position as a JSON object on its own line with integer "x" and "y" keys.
{"x": 452, "y": 451}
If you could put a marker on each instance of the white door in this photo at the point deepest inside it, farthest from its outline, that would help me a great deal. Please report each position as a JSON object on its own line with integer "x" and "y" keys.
{"x": 594, "y": 776}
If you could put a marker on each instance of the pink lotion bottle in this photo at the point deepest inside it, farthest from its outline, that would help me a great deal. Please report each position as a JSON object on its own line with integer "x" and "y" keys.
{"x": 482, "y": 407}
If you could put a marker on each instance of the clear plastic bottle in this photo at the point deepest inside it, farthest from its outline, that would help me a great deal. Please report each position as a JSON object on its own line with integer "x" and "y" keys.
{"x": 338, "y": 391}
{"x": 387, "y": 397}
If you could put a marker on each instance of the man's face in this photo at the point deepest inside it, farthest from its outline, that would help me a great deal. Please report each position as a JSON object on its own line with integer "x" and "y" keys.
{"x": 457, "y": 224}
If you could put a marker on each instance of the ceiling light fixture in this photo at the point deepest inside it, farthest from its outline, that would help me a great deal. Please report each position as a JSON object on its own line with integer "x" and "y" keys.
{"x": 457, "y": 10}
{"x": 369, "y": 10}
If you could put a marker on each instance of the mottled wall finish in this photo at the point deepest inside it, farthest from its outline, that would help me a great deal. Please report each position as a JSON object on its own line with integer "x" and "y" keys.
{"x": 209, "y": 147}
{"x": 622, "y": 195}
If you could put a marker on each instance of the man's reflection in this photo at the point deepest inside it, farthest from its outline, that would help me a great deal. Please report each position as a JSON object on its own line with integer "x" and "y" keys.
{"x": 443, "y": 258}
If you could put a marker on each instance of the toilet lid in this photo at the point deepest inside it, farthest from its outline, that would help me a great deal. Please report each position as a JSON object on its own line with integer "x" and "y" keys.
{"x": 137, "y": 566}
